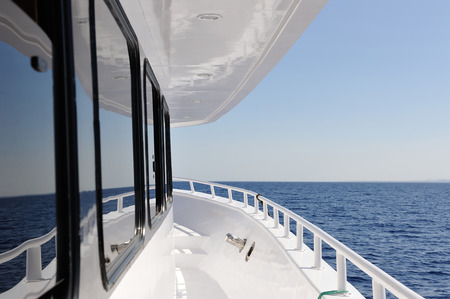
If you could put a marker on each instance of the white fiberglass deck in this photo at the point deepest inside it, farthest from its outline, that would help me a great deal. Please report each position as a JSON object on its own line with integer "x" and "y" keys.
{"x": 208, "y": 267}
{"x": 190, "y": 278}
{"x": 281, "y": 265}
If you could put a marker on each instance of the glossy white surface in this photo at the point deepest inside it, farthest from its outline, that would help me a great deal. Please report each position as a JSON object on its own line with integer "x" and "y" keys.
{"x": 318, "y": 273}
{"x": 269, "y": 273}
{"x": 206, "y": 67}
{"x": 152, "y": 272}
{"x": 192, "y": 281}
{"x": 90, "y": 277}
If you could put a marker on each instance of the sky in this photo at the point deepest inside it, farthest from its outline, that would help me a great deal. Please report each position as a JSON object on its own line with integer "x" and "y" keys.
{"x": 26, "y": 126}
{"x": 364, "y": 95}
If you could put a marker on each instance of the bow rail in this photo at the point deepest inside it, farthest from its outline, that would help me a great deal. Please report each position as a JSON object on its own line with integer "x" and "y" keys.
{"x": 381, "y": 281}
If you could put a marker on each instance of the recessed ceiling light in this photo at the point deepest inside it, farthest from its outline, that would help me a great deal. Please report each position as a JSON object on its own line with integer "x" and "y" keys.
{"x": 209, "y": 17}
{"x": 197, "y": 101}
{"x": 205, "y": 75}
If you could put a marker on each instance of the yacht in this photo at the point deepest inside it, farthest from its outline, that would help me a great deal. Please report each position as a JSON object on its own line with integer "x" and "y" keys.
{"x": 90, "y": 90}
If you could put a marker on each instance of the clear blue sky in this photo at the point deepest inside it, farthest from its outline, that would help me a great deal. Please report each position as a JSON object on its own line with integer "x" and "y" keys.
{"x": 364, "y": 95}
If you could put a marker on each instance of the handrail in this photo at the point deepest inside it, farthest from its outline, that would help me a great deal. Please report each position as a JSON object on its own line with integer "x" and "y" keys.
{"x": 120, "y": 197}
{"x": 11, "y": 254}
{"x": 381, "y": 281}
{"x": 34, "y": 258}
{"x": 114, "y": 197}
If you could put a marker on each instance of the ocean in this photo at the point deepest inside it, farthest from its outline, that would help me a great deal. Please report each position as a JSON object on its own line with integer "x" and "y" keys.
{"x": 403, "y": 228}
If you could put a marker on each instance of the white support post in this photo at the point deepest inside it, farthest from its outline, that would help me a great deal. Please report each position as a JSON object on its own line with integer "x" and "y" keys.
{"x": 256, "y": 205}
{"x": 276, "y": 218}
{"x": 191, "y": 184}
{"x": 34, "y": 264}
{"x": 379, "y": 292}
{"x": 213, "y": 192}
{"x": 265, "y": 210}
{"x": 299, "y": 236}
{"x": 230, "y": 195}
{"x": 120, "y": 204}
{"x": 245, "y": 199}
{"x": 286, "y": 226}
{"x": 317, "y": 252}
{"x": 341, "y": 268}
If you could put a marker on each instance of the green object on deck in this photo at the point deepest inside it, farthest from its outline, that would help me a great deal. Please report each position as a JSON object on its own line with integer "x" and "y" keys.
{"x": 331, "y": 293}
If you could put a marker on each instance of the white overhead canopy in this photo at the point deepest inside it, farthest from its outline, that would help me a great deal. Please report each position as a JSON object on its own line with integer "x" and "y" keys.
{"x": 209, "y": 54}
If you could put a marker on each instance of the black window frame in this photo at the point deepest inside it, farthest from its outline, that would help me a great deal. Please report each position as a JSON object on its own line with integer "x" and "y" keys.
{"x": 162, "y": 164}
{"x": 55, "y": 19}
{"x": 157, "y": 164}
{"x": 149, "y": 75}
{"x": 110, "y": 276}
{"x": 168, "y": 153}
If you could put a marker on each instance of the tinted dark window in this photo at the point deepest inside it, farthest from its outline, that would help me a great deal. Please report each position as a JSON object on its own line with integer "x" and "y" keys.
{"x": 27, "y": 165}
{"x": 149, "y": 93}
{"x": 168, "y": 156}
{"x": 116, "y": 137}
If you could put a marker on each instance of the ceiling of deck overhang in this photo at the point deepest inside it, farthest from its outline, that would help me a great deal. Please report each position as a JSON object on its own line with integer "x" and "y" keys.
{"x": 205, "y": 67}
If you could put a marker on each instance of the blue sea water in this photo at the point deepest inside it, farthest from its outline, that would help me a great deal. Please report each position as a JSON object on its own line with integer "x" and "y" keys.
{"x": 403, "y": 228}
{"x": 23, "y": 218}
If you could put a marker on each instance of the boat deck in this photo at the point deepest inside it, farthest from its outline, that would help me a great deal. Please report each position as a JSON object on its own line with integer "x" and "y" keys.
{"x": 191, "y": 280}
{"x": 204, "y": 263}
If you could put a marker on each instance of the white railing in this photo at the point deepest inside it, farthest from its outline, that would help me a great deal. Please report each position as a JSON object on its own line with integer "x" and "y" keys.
{"x": 34, "y": 258}
{"x": 119, "y": 199}
{"x": 381, "y": 281}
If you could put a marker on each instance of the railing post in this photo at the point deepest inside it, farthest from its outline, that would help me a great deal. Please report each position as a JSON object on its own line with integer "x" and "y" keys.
{"x": 286, "y": 225}
{"x": 120, "y": 204}
{"x": 341, "y": 268}
{"x": 34, "y": 264}
{"x": 299, "y": 236}
{"x": 265, "y": 210}
{"x": 317, "y": 252}
{"x": 213, "y": 192}
{"x": 276, "y": 218}
{"x": 245, "y": 199}
{"x": 256, "y": 205}
{"x": 191, "y": 184}
{"x": 379, "y": 292}
{"x": 230, "y": 195}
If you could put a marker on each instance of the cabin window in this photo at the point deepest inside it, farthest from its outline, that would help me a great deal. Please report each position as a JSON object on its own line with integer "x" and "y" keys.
{"x": 158, "y": 152}
{"x": 27, "y": 161}
{"x": 118, "y": 146}
{"x": 150, "y": 94}
{"x": 168, "y": 154}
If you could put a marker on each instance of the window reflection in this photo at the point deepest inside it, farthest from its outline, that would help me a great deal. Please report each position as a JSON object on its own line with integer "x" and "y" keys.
{"x": 149, "y": 149}
{"x": 116, "y": 136}
{"x": 27, "y": 167}
{"x": 168, "y": 160}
